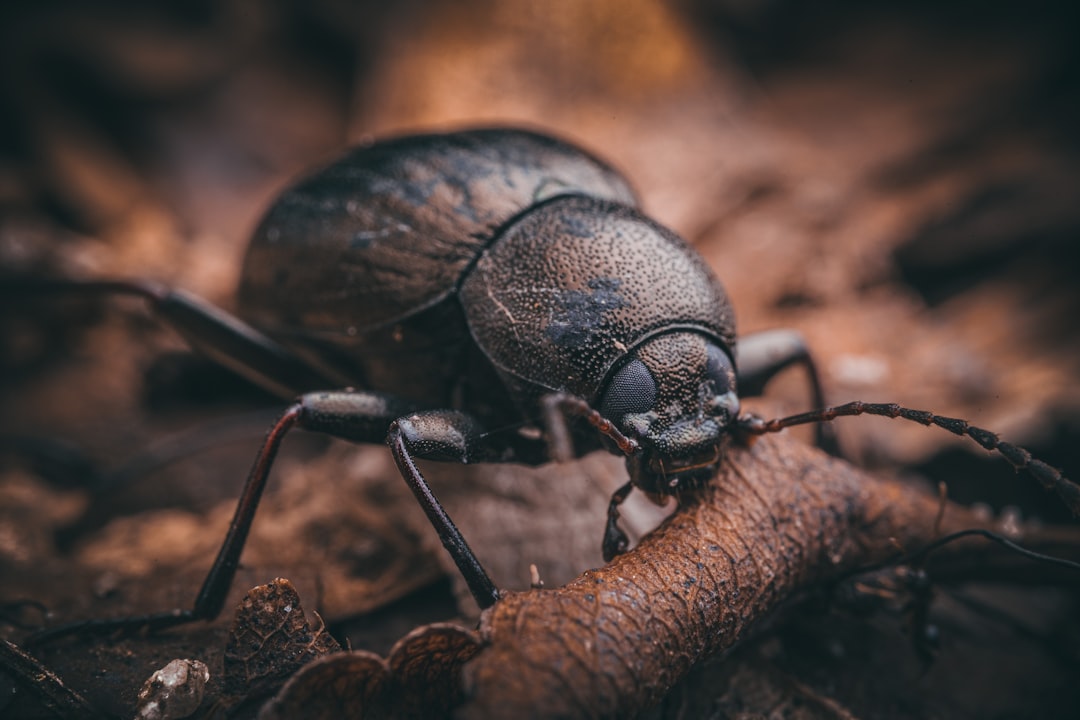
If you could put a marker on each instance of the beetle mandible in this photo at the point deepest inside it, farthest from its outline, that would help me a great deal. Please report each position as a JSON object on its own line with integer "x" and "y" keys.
{"x": 459, "y": 283}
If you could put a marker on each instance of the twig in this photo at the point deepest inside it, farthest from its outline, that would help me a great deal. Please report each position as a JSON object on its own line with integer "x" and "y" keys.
{"x": 780, "y": 518}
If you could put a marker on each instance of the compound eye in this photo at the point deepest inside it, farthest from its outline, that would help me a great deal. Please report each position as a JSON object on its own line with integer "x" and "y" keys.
{"x": 720, "y": 374}
{"x": 719, "y": 371}
{"x": 631, "y": 390}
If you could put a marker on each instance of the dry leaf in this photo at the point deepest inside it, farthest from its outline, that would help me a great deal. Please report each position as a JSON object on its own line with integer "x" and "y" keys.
{"x": 270, "y": 640}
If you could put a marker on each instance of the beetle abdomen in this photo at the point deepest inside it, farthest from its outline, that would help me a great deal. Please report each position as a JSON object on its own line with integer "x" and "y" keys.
{"x": 566, "y": 290}
{"x": 389, "y": 229}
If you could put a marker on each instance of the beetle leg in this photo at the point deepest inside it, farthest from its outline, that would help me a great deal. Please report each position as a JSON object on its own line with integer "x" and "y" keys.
{"x": 556, "y": 429}
{"x": 615, "y": 540}
{"x": 215, "y": 587}
{"x": 444, "y": 435}
{"x": 761, "y": 356}
{"x": 357, "y": 416}
{"x": 219, "y": 335}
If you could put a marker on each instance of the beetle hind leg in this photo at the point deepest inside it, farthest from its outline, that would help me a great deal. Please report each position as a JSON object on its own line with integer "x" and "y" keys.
{"x": 217, "y": 334}
{"x": 215, "y": 587}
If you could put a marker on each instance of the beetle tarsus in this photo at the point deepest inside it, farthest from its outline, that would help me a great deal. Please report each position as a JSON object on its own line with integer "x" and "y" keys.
{"x": 151, "y": 623}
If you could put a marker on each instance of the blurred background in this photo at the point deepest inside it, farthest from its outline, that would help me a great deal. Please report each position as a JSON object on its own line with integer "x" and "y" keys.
{"x": 899, "y": 181}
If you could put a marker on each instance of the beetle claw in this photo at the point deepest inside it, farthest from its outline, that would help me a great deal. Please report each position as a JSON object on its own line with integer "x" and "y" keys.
{"x": 615, "y": 541}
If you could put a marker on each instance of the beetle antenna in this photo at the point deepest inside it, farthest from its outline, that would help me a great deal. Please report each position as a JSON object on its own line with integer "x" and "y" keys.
{"x": 557, "y": 406}
{"x": 993, "y": 537}
{"x": 921, "y": 554}
{"x": 1047, "y": 476}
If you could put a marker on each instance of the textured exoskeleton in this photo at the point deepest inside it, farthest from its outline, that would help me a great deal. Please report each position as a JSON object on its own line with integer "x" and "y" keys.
{"x": 454, "y": 294}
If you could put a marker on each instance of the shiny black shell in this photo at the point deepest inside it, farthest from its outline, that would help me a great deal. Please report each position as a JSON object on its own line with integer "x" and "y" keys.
{"x": 476, "y": 270}
{"x": 566, "y": 291}
{"x": 389, "y": 229}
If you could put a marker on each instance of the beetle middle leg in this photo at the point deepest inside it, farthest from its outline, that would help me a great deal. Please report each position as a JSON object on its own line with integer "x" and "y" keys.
{"x": 211, "y": 597}
{"x": 365, "y": 417}
{"x": 444, "y": 435}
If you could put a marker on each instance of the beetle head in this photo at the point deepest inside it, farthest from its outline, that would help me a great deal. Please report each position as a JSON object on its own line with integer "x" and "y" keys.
{"x": 676, "y": 397}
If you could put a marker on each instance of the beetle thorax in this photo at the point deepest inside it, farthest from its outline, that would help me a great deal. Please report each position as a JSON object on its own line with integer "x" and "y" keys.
{"x": 560, "y": 298}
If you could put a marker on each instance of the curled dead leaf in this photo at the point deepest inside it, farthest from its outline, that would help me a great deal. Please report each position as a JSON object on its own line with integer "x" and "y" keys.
{"x": 420, "y": 679}
{"x": 781, "y": 518}
{"x": 269, "y": 641}
{"x": 426, "y": 665}
{"x": 348, "y": 686}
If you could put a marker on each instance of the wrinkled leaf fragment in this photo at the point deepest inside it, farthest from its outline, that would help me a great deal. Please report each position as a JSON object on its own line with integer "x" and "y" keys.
{"x": 427, "y": 664}
{"x": 270, "y": 640}
{"x": 348, "y": 685}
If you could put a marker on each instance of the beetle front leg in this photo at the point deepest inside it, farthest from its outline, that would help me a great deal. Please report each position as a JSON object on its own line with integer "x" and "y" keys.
{"x": 761, "y": 356}
{"x": 615, "y": 540}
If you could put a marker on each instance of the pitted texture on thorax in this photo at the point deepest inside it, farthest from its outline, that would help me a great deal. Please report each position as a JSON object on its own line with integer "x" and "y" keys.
{"x": 568, "y": 289}
{"x": 389, "y": 229}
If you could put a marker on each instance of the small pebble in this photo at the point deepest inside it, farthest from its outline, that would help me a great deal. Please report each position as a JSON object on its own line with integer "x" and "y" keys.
{"x": 175, "y": 691}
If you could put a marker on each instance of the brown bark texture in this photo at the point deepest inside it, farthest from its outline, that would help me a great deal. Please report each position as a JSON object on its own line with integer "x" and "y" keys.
{"x": 780, "y": 518}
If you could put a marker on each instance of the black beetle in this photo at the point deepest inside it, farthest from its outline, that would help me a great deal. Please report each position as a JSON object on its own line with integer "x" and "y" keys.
{"x": 486, "y": 280}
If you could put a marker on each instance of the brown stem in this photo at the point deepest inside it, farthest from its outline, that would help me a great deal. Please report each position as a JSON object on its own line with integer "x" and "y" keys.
{"x": 781, "y": 517}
